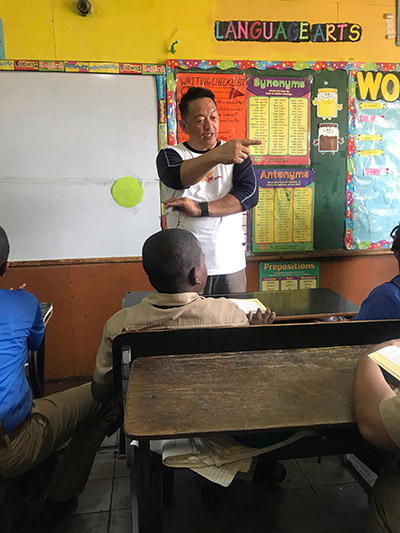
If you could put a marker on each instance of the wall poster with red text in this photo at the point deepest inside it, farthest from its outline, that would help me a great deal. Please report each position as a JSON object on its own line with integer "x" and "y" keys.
{"x": 230, "y": 97}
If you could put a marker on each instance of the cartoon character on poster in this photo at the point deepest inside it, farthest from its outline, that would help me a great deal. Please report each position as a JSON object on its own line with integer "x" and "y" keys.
{"x": 327, "y": 103}
{"x": 328, "y": 138}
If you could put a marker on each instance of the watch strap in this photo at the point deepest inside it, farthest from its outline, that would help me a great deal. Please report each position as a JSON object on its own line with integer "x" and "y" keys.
{"x": 204, "y": 209}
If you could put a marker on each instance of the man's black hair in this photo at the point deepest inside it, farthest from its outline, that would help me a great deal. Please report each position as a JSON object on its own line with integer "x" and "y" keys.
{"x": 194, "y": 93}
{"x": 168, "y": 258}
{"x": 4, "y": 250}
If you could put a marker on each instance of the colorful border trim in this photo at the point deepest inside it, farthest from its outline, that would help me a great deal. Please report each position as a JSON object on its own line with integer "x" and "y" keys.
{"x": 102, "y": 67}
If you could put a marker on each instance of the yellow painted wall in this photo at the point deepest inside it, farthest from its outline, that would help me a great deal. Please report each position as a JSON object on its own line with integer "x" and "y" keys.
{"x": 143, "y": 30}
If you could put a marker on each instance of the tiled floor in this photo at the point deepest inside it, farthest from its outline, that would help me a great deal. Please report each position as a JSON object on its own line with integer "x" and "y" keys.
{"x": 314, "y": 498}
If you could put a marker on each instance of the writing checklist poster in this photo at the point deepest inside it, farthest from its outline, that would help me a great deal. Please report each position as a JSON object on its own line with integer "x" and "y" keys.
{"x": 279, "y": 116}
{"x": 284, "y": 216}
{"x": 230, "y": 96}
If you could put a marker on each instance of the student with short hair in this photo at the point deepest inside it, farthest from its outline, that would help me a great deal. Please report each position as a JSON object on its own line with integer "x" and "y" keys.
{"x": 33, "y": 429}
{"x": 384, "y": 301}
{"x": 174, "y": 262}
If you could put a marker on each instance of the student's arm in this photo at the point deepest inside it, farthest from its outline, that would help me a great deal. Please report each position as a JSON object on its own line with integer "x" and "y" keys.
{"x": 36, "y": 331}
{"x": 102, "y": 392}
{"x": 103, "y": 376}
{"x": 370, "y": 388}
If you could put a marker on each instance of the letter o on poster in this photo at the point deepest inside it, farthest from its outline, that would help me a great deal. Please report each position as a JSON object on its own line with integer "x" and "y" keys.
{"x": 127, "y": 191}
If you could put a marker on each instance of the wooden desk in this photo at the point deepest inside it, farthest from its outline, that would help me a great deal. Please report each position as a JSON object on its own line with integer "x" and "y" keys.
{"x": 305, "y": 380}
{"x": 302, "y": 304}
{"x": 200, "y": 394}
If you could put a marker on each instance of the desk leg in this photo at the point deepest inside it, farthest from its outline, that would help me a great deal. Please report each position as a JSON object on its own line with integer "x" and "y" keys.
{"x": 146, "y": 485}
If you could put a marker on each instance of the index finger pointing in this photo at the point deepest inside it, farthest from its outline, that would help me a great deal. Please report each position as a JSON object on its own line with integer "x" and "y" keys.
{"x": 250, "y": 142}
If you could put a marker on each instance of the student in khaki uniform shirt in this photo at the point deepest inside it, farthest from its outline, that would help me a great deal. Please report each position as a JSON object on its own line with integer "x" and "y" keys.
{"x": 174, "y": 261}
{"x": 377, "y": 410}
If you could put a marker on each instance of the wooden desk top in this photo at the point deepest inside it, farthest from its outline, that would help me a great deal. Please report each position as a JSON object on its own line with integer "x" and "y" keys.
{"x": 288, "y": 305}
{"x": 180, "y": 396}
{"x": 304, "y": 303}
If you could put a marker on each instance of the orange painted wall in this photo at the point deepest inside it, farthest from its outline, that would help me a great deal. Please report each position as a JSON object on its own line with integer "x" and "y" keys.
{"x": 84, "y": 296}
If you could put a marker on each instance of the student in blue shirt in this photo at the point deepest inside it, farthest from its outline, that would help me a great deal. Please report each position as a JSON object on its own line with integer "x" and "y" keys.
{"x": 384, "y": 301}
{"x": 32, "y": 430}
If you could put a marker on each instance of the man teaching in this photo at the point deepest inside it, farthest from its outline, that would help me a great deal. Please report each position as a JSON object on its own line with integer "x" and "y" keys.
{"x": 207, "y": 184}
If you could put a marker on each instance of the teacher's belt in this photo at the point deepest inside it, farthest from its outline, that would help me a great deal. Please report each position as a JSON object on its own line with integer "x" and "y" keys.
{"x": 7, "y": 438}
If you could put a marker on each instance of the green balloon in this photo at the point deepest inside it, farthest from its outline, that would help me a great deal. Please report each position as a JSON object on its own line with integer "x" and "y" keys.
{"x": 127, "y": 191}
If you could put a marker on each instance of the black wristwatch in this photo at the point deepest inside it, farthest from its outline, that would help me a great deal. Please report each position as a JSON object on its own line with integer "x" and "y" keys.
{"x": 204, "y": 209}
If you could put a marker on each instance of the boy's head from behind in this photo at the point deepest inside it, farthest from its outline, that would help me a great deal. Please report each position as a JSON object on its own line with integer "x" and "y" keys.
{"x": 174, "y": 261}
{"x": 395, "y": 234}
{"x": 4, "y": 251}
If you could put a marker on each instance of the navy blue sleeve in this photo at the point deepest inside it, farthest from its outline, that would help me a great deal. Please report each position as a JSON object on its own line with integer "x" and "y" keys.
{"x": 245, "y": 185}
{"x": 382, "y": 303}
{"x": 36, "y": 331}
{"x": 169, "y": 168}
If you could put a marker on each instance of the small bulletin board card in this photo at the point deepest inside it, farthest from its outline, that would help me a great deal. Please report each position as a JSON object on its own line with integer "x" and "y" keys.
{"x": 230, "y": 94}
{"x": 284, "y": 216}
{"x": 373, "y": 171}
{"x": 290, "y": 275}
{"x": 279, "y": 116}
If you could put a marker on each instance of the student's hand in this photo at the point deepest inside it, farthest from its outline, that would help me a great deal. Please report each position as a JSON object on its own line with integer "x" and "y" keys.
{"x": 20, "y": 287}
{"x": 261, "y": 318}
{"x": 235, "y": 151}
{"x": 392, "y": 342}
{"x": 186, "y": 205}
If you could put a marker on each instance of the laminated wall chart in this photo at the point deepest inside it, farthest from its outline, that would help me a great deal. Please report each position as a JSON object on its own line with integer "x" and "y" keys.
{"x": 288, "y": 275}
{"x": 283, "y": 218}
{"x": 230, "y": 93}
{"x": 279, "y": 116}
{"x": 373, "y": 180}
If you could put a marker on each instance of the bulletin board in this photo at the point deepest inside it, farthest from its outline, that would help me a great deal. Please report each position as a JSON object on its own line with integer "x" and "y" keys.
{"x": 373, "y": 174}
{"x": 299, "y": 110}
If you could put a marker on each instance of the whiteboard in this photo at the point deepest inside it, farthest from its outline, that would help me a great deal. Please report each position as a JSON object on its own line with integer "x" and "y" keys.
{"x": 65, "y": 138}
